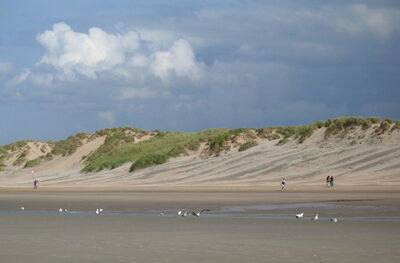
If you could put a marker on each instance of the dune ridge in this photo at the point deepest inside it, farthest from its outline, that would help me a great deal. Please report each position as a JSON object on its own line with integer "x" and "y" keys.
{"x": 355, "y": 156}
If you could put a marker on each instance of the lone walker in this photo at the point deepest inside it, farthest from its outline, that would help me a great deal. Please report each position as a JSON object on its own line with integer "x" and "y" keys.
{"x": 35, "y": 184}
{"x": 283, "y": 184}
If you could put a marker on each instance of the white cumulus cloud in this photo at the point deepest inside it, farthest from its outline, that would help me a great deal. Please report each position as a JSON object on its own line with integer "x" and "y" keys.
{"x": 73, "y": 53}
{"x": 179, "y": 59}
{"x": 86, "y": 54}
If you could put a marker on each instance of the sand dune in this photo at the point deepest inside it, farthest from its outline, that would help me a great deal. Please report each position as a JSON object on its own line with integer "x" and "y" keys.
{"x": 372, "y": 161}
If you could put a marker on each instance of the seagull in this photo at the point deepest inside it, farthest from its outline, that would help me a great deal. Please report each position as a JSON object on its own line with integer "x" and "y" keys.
{"x": 300, "y": 215}
{"x": 199, "y": 213}
{"x": 334, "y": 220}
{"x": 65, "y": 210}
{"x": 183, "y": 213}
{"x": 101, "y": 210}
{"x": 161, "y": 214}
{"x": 22, "y": 208}
{"x": 315, "y": 217}
{"x": 97, "y": 211}
{"x": 60, "y": 210}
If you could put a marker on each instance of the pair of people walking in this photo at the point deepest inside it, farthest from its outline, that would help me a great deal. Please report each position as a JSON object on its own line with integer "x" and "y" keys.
{"x": 329, "y": 181}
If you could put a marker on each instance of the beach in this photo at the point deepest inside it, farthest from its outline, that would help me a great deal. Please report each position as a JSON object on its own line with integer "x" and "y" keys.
{"x": 241, "y": 226}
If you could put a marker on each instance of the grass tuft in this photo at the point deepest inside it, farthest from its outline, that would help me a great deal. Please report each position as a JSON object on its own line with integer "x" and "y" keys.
{"x": 247, "y": 145}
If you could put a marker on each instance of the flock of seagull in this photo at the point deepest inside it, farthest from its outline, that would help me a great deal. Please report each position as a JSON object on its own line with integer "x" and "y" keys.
{"x": 301, "y": 215}
{"x": 98, "y": 210}
{"x": 180, "y": 213}
{"x": 187, "y": 213}
{"x": 193, "y": 213}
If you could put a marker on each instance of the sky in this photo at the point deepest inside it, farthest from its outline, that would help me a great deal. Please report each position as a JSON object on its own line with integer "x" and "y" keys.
{"x": 83, "y": 65}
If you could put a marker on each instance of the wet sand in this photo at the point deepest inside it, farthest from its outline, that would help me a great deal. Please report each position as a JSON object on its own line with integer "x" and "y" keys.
{"x": 340, "y": 203}
{"x": 216, "y": 237}
{"x": 92, "y": 238}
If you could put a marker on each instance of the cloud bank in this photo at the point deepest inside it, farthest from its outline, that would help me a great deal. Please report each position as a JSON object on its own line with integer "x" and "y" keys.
{"x": 75, "y": 55}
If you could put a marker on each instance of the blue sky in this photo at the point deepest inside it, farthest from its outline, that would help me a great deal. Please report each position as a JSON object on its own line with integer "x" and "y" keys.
{"x": 79, "y": 66}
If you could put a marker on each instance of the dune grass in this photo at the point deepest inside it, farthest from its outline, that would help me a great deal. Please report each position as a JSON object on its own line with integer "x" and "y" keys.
{"x": 118, "y": 149}
{"x": 5, "y": 149}
{"x": 69, "y": 145}
{"x": 120, "y": 145}
{"x": 157, "y": 149}
{"x": 247, "y": 145}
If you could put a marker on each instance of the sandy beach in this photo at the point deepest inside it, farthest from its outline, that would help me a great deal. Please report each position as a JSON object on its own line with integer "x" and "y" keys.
{"x": 241, "y": 226}
{"x": 248, "y": 218}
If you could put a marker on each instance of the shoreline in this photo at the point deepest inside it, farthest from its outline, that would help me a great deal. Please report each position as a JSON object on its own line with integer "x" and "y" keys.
{"x": 337, "y": 203}
{"x": 207, "y": 189}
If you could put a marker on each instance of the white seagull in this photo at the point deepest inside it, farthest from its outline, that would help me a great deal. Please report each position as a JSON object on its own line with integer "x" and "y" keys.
{"x": 22, "y": 208}
{"x": 300, "y": 215}
{"x": 97, "y": 211}
{"x": 315, "y": 217}
{"x": 60, "y": 210}
{"x": 161, "y": 214}
{"x": 199, "y": 213}
{"x": 334, "y": 220}
{"x": 183, "y": 213}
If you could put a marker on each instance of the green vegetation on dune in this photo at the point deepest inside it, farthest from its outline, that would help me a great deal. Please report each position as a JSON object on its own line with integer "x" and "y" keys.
{"x": 3, "y": 155}
{"x": 69, "y": 145}
{"x": 335, "y": 126}
{"x": 247, "y": 145}
{"x": 159, "y": 148}
{"x": 15, "y": 145}
{"x": 301, "y": 133}
{"x": 33, "y": 162}
{"x": 38, "y": 160}
{"x": 110, "y": 131}
{"x": 148, "y": 160}
{"x": 4, "y": 152}
{"x": 122, "y": 146}
{"x": 21, "y": 158}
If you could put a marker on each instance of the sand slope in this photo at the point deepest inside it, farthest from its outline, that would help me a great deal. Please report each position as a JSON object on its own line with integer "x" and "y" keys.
{"x": 354, "y": 158}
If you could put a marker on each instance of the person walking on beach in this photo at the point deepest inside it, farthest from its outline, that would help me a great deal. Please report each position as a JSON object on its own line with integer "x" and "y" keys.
{"x": 283, "y": 184}
{"x": 328, "y": 181}
{"x": 35, "y": 184}
{"x": 331, "y": 180}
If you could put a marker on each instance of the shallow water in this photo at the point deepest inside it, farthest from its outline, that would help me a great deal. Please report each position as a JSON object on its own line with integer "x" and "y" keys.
{"x": 249, "y": 211}
{"x": 275, "y": 207}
